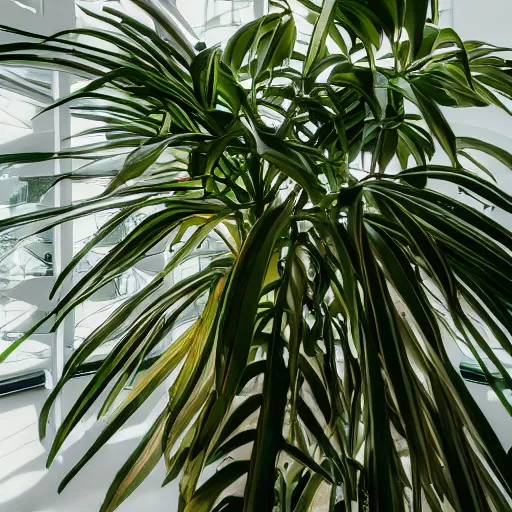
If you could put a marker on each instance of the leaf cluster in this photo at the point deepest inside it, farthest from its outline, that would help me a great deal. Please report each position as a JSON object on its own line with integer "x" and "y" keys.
{"x": 318, "y": 371}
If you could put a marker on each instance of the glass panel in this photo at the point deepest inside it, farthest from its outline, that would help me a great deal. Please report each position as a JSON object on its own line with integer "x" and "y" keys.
{"x": 214, "y": 21}
{"x": 20, "y": 268}
{"x": 199, "y": 260}
{"x": 22, "y": 93}
{"x": 26, "y": 264}
{"x": 31, "y": 357}
{"x": 95, "y": 310}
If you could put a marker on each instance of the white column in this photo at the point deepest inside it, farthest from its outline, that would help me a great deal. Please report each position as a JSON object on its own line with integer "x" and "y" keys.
{"x": 446, "y": 13}
{"x": 63, "y": 234}
{"x": 260, "y": 8}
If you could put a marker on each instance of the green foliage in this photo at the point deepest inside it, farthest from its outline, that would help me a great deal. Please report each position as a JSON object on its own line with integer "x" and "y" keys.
{"x": 324, "y": 261}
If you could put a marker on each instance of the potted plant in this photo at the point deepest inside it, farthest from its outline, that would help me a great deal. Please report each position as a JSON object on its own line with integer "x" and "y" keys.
{"x": 317, "y": 370}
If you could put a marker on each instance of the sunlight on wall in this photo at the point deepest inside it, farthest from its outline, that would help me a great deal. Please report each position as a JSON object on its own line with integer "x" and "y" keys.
{"x": 17, "y": 485}
{"x": 19, "y": 446}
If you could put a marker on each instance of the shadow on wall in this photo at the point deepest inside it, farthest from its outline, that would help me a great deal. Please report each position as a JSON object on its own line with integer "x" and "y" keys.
{"x": 27, "y": 486}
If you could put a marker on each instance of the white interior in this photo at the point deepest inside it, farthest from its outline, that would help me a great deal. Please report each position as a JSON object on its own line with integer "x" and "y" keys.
{"x": 25, "y": 484}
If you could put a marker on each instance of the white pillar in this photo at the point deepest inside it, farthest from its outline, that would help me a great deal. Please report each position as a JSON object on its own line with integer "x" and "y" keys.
{"x": 63, "y": 237}
{"x": 63, "y": 234}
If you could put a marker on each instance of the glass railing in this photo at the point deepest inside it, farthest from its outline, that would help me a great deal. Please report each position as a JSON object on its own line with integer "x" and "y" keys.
{"x": 27, "y": 264}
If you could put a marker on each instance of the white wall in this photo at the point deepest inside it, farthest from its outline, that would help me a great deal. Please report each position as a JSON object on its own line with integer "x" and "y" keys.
{"x": 487, "y": 20}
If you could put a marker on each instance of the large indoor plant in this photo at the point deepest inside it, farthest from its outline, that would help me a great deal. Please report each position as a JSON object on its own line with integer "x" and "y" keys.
{"x": 319, "y": 361}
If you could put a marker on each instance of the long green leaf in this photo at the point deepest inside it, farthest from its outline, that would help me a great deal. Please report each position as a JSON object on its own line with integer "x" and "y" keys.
{"x": 316, "y": 46}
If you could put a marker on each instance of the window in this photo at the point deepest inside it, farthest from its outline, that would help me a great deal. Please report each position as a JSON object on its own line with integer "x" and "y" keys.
{"x": 28, "y": 266}
{"x": 214, "y": 21}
